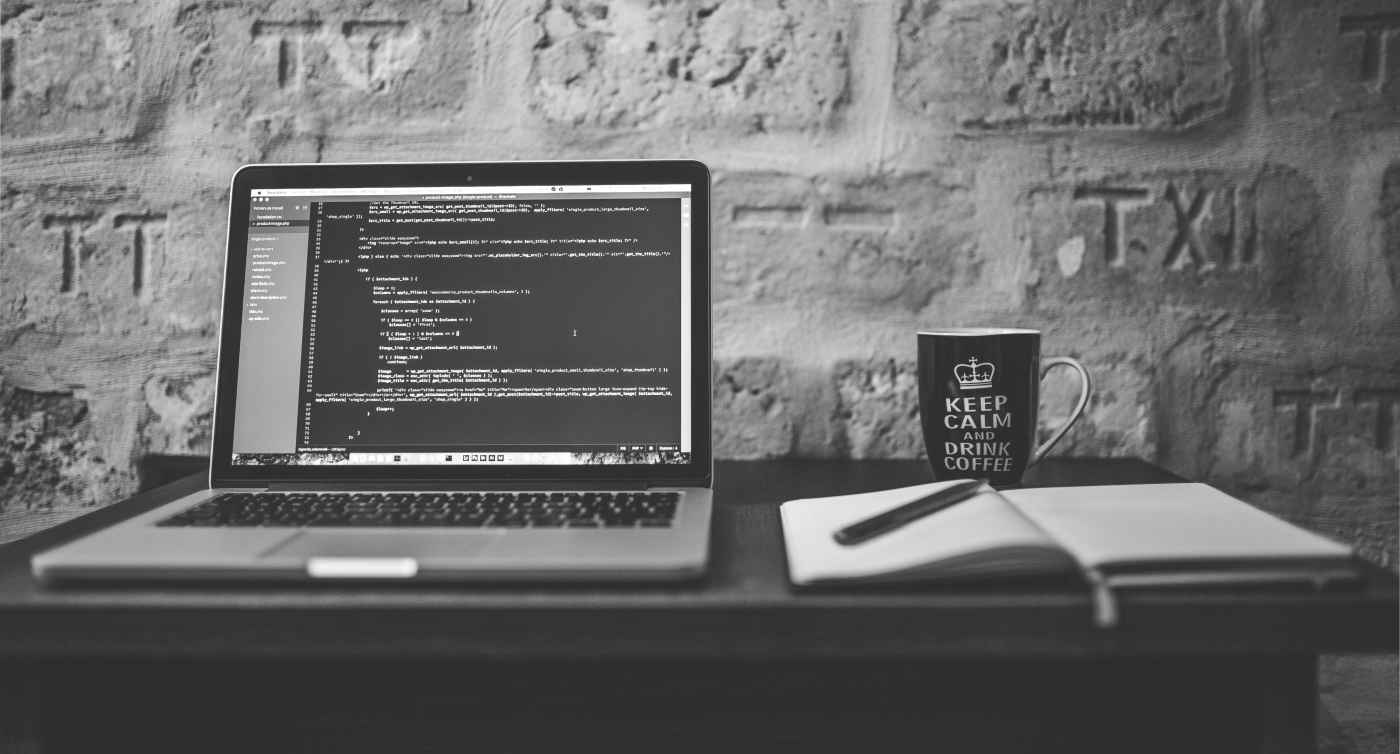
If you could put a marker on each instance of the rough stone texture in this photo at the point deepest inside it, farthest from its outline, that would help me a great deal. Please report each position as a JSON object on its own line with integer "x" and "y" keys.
{"x": 96, "y": 260}
{"x": 274, "y": 75}
{"x": 79, "y": 78}
{"x": 1208, "y": 276}
{"x": 1118, "y": 420}
{"x": 1298, "y": 424}
{"x": 1334, "y": 60}
{"x": 1011, "y": 64}
{"x": 879, "y": 408}
{"x": 1390, "y": 223}
{"x": 178, "y": 421}
{"x": 759, "y": 65}
{"x": 753, "y": 408}
{"x": 1200, "y": 199}
{"x": 49, "y": 453}
{"x": 873, "y": 175}
{"x": 866, "y": 244}
{"x": 1199, "y": 237}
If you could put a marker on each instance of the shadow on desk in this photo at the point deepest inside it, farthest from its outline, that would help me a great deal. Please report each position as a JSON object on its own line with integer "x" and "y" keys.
{"x": 739, "y": 661}
{"x": 1200, "y": 704}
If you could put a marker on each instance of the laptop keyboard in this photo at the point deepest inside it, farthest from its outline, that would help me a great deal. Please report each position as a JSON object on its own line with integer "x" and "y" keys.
{"x": 511, "y": 510}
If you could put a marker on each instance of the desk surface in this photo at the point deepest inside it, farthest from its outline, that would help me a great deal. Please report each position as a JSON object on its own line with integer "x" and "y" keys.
{"x": 743, "y": 608}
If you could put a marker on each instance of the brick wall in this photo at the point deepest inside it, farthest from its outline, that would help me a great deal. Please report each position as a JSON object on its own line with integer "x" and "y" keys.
{"x": 1198, "y": 198}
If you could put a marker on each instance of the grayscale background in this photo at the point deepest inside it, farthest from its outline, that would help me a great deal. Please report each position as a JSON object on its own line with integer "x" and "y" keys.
{"x": 1200, "y": 199}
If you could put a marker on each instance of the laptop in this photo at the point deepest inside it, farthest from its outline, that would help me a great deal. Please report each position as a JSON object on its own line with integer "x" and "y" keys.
{"x": 449, "y": 371}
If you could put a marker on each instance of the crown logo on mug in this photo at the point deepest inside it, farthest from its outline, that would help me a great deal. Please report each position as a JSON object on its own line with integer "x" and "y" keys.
{"x": 974, "y": 375}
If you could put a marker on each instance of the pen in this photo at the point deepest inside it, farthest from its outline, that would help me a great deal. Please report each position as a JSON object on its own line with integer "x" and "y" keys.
{"x": 894, "y": 518}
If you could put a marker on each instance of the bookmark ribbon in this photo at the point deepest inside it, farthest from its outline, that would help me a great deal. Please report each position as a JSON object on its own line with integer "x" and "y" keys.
{"x": 1105, "y": 607}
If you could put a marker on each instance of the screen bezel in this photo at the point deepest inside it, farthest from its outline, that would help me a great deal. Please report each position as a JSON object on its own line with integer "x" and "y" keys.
{"x": 698, "y": 472}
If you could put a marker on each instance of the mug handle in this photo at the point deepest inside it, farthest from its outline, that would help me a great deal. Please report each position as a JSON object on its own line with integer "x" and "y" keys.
{"x": 1085, "y": 387}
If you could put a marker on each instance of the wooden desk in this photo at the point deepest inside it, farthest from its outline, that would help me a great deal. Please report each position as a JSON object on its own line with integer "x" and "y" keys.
{"x": 1009, "y": 667}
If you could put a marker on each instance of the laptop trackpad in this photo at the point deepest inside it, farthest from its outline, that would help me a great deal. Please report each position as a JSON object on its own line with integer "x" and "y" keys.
{"x": 384, "y": 544}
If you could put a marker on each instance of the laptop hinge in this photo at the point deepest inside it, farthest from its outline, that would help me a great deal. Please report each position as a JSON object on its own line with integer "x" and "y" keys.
{"x": 520, "y": 484}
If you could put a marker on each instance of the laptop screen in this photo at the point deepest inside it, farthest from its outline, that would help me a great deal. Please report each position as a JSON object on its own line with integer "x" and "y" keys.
{"x": 475, "y": 325}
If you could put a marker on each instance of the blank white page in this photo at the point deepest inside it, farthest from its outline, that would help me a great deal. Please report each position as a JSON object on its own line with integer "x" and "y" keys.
{"x": 1147, "y": 523}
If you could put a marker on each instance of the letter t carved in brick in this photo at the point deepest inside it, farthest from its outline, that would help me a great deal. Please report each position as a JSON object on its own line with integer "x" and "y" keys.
{"x": 72, "y": 250}
{"x": 1116, "y": 202}
{"x": 1305, "y": 404}
{"x": 1377, "y": 32}
{"x": 140, "y": 247}
{"x": 1385, "y": 400}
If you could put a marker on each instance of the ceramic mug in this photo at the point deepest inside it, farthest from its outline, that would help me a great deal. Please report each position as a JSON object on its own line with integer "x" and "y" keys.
{"x": 979, "y": 398}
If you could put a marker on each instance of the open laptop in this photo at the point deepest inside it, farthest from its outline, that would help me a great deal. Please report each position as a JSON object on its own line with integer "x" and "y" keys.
{"x": 462, "y": 371}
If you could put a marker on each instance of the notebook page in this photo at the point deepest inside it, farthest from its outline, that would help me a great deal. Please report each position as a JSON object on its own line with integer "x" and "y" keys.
{"x": 1166, "y": 523}
{"x": 978, "y": 524}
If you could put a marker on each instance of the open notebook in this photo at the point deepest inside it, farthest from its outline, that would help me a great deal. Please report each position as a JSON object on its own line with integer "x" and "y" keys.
{"x": 1117, "y": 535}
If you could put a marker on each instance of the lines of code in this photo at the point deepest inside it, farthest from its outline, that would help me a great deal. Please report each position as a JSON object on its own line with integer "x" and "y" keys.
{"x": 515, "y": 325}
